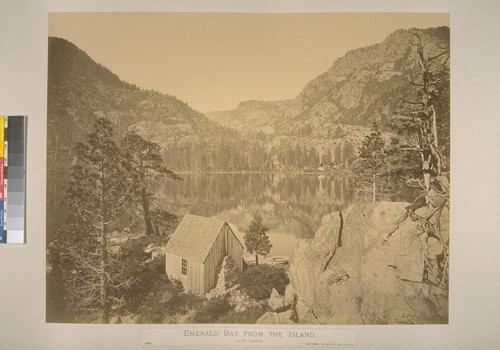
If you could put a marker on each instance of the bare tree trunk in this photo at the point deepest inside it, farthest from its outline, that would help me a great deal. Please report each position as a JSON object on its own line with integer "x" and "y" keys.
{"x": 429, "y": 134}
{"x": 147, "y": 215}
{"x": 374, "y": 191}
{"x": 256, "y": 259}
{"x": 434, "y": 127}
{"x": 104, "y": 276}
{"x": 145, "y": 201}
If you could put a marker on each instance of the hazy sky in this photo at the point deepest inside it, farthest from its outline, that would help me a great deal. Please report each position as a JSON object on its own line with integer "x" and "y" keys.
{"x": 213, "y": 61}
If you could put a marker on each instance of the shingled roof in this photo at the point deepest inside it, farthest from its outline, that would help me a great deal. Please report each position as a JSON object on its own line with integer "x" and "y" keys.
{"x": 194, "y": 237}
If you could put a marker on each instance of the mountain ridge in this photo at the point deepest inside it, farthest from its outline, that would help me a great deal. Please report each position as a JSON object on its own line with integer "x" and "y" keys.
{"x": 357, "y": 89}
{"x": 80, "y": 90}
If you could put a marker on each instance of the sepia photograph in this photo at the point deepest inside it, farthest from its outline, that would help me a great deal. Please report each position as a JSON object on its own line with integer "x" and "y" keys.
{"x": 248, "y": 168}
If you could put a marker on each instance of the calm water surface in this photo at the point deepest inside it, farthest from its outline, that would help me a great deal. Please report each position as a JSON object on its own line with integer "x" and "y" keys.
{"x": 291, "y": 205}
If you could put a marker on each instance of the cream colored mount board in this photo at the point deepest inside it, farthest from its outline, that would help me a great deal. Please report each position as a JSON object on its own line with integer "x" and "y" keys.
{"x": 474, "y": 308}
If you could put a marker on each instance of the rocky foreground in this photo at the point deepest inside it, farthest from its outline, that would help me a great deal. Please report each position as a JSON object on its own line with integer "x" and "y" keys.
{"x": 368, "y": 265}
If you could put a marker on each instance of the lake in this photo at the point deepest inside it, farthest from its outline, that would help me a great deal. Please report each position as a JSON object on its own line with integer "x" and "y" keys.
{"x": 291, "y": 205}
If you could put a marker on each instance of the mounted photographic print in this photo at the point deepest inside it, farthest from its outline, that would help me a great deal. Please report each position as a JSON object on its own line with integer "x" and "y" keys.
{"x": 237, "y": 168}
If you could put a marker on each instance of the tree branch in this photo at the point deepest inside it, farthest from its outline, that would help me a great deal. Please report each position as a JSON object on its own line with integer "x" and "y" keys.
{"x": 432, "y": 58}
{"x": 412, "y": 102}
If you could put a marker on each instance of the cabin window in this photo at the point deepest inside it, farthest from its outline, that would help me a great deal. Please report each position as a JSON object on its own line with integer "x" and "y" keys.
{"x": 184, "y": 267}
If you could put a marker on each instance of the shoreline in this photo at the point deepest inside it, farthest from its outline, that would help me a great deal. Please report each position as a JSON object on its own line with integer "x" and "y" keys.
{"x": 330, "y": 173}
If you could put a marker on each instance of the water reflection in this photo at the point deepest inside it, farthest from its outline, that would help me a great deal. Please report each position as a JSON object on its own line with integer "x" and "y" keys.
{"x": 292, "y": 205}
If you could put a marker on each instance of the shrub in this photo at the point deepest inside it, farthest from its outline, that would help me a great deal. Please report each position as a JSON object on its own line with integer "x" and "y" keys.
{"x": 211, "y": 310}
{"x": 258, "y": 281}
{"x": 158, "y": 303}
{"x": 148, "y": 274}
{"x": 153, "y": 309}
{"x": 183, "y": 302}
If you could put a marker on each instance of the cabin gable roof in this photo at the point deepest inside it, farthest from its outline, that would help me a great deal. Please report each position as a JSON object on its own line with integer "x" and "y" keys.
{"x": 194, "y": 237}
{"x": 231, "y": 233}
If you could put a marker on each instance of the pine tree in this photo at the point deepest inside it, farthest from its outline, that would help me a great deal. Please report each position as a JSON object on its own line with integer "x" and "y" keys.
{"x": 256, "y": 238}
{"x": 421, "y": 125}
{"x": 420, "y": 147}
{"x": 145, "y": 166}
{"x": 95, "y": 198}
{"x": 371, "y": 159}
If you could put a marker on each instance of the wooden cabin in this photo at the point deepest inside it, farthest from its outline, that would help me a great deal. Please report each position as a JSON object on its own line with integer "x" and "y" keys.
{"x": 195, "y": 252}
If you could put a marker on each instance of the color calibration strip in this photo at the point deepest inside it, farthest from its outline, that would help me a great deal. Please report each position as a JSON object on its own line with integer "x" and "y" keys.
{"x": 12, "y": 179}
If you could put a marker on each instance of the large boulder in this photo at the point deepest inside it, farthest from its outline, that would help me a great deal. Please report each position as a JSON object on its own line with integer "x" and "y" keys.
{"x": 310, "y": 259}
{"x": 290, "y": 294}
{"x": 306, "y": 313}
{"x": 276, "y": 300}
{"x": 276, "y": 318}
{"x": 328, "y": 232}
{"x": 376, "y": 276}
{"x": 241, "y": 301}
{"x": 312, "y": 256}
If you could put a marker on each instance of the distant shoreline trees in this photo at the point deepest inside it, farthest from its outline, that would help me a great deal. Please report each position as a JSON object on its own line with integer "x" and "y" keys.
{"x": 236, "y": 153}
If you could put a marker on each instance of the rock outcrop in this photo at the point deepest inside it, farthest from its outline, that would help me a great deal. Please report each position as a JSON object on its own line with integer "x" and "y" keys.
{"x": 242, "y": 301}
{"x": 312, "y": 257}
{"x": 377, "y": 275}
{"x": 276, "y": 301}
{"x": 290, "y": 295}
{"x": 227, "y": 278}
{"x": 276, "y": 318}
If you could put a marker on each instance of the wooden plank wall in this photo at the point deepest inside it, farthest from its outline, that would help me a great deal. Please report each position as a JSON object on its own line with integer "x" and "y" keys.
{"x": 194, "y": 280}
{"x": 212, "y": 262}
{"x": 234, "y": 248}
{"x": 173, "y": 265}
{"x": 202, "y": 278}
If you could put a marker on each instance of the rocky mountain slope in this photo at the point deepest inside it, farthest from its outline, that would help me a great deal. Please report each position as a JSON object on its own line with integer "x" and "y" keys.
{"x": 364, "y": 86}
{"x": 79, "y": 89}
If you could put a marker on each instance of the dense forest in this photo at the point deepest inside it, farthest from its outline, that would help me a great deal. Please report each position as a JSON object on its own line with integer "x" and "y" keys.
{"x": 238, "y": 154}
